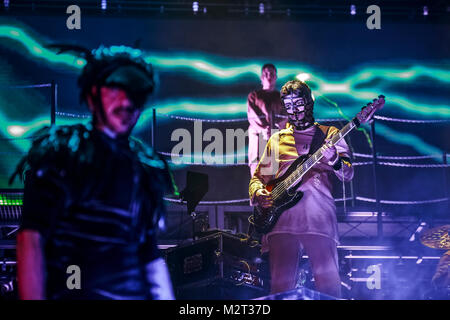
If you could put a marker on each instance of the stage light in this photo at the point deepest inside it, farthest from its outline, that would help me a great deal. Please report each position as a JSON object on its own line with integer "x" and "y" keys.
{"x": 205, "y": 10}
{"x": 371, "y": 257}
{"x": 303, "y": 76}
{"x": 10, "y": 200}
{"x": 104, "y": 4}
{"x": 335, "y": 87}
{"x": 16, "y": 131}
{"x": 348, "y": 287}
{"x": 352, "y": 9}
{"x": 6, "y": 3}
{"x": 392, "y": 257}
{"x": 162, "y": 224}
{"x": 195, "y": 7}
{"x": 419, "y": 261}
{"x": 418, "y": 230}
{"x": 425, "y": 10}
{"x": 261, "y": 8}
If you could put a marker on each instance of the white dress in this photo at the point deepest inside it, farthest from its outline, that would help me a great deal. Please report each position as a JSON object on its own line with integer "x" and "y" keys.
{"x": 315, "y": 213}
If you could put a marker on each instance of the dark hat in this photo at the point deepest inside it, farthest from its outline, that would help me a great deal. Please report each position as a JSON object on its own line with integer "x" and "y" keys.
{"x": 130, "y": 77}
{"x": 121, "y": 66}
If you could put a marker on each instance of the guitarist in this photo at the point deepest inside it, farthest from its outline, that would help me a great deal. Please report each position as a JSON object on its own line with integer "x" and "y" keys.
{"x": 311, "y": 224}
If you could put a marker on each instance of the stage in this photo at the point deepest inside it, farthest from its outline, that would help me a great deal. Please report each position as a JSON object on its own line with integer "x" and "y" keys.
{"x": 392, "y": 216}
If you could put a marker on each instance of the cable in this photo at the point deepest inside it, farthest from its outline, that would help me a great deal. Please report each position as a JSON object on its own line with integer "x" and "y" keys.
{"x": 406, "y": 165}
{"x": 73, "y": 115}
{"x": 43, "y": 85}
{"x": 409, "y": 120}
{"x": 402, "y": 202}
{"x": 365, "y": 155}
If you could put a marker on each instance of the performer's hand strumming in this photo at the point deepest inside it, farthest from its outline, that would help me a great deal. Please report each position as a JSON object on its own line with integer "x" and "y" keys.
{"x": 264, "y": 198}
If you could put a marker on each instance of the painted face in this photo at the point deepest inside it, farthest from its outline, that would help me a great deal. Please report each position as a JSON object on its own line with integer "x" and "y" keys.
{"x": 268, "y": 78}
{"x": 120, "y": 113}
{"x": 295, "y": 108}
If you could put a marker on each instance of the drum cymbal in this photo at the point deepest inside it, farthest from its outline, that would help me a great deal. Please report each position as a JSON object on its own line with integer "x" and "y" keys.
{"x": 437, "y": 238}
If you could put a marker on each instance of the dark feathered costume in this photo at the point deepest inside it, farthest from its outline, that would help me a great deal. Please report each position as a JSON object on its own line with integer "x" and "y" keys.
{"x": 97, "y": 201}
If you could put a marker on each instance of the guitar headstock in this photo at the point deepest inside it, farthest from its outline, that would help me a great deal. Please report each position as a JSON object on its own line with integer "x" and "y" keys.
{"x": 368, "y": 111}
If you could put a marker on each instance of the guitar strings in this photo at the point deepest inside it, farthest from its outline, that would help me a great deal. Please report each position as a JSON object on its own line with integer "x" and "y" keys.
{"x": 311, "y": 161}
{"x": 283, "y": 186}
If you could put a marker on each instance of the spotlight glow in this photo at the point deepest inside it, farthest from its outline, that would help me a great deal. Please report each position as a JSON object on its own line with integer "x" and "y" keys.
{"x": 352, "y": 9}
{"x": 16, "y": 131}
{"x": 104, "y": 4}
{"x": 261, "y": 8}
{"x": 344, "y": 88}
{"x": 195, "y": 6}
{"x": 425, "y": 10}
{"x": 303, "y": 76}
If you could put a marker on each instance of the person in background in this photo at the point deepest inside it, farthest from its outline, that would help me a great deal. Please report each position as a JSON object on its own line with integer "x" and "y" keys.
{"x": 265, "y": 113}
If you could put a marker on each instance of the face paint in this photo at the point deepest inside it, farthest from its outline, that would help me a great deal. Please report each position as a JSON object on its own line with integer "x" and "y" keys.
{"x": 296, "y": 109}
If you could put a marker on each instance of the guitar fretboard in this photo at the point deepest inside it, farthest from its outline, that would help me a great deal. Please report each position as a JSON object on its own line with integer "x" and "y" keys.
{"x": 298, "y": 173}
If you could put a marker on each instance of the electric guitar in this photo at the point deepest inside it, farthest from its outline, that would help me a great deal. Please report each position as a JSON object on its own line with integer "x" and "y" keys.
{"x": 283, "y": 189}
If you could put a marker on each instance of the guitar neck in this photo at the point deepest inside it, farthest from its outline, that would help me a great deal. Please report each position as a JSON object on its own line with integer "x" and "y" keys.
{"x": 297, "y": 174}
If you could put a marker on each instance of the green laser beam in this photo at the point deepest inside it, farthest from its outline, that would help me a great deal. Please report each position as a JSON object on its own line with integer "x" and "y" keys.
{"x": 203, "y": 65}
{"x": 200, "y": 64}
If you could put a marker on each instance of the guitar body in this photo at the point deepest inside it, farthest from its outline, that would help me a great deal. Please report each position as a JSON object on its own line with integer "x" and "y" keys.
{"x": 264, "y": 219}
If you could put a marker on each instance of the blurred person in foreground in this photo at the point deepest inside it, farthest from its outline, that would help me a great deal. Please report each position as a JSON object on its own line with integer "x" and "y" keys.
{"x": 93, "y": 196}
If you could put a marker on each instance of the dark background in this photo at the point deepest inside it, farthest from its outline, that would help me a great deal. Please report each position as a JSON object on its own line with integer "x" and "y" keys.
{"x": 332, "y": 45}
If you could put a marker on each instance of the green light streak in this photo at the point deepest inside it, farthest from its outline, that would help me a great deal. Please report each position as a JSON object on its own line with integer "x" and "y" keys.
{"x": 37, "y": 50}
{"x": 189, "y": 107}
{"x": 341, "y": 113}
{"x": 27, "y": 127}
{"x": 202, "y": 65}
{"x": 406, "y": 139}
{"x": 405, "y": 104}
{"x": 236, "y": 107}
{"x": 409, "y": 74}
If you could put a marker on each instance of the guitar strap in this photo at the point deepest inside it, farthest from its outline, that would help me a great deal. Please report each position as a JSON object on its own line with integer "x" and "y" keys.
{"x": 318, "y": 138}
